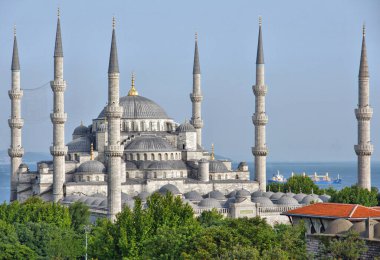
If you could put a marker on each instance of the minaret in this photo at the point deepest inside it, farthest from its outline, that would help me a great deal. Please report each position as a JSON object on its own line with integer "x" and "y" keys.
{"x": 259, "y": 118}
{"x": 58, "y": 118}
{"x": 15, "y": 122}
{"x": 113, "y": 150}
{"x": 196, "y": 97}
{"x": 363, "y": 114}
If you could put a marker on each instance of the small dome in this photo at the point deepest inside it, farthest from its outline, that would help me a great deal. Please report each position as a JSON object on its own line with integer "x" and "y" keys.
{"x": 376, "y": 231}
{"x": 257, "y": 193}
{"x": 277, "y": 195}
{"x": 43, "y": 165}
{"x": 215, "y": 194}
{"x": 338, "y": 226}
{"x": 79, "y": 145}
{"x": 216, "y": 166}
{"x": 359, "y": 227}
{"x": 209, "y": 203}
{"x": 193, "y": 196}
{"x": 103, "y": 204}
{"x": 264, "y": 201}
{"x": 309, "y": 199}
{"x": 149, "y": 144}
{"x": 143, "y": 195}
{"x": 92, "y": 167}
{"x": 169, "y": 188}
{"x": 299, "y": 197}
{"x": 232, "y": 194}
{"x": 185, "y": 127}
{"x": 130, "y": 165}
{"x": 267, "y": 194}
{"x": 325, "y": 197}
{"x": 128, "y": 203}
{"x": 242, "y": 193}
{"x": 80, "y": 130}
{"x": 229, "y": 201}
{"x": 290, "y": 194}
{"x": 125, "y": 196}
{"x": 24, "y": 165}
{"x": 287, "y": 200}
{"x": 191, "y": 204}
{"x": 203, "y": 160}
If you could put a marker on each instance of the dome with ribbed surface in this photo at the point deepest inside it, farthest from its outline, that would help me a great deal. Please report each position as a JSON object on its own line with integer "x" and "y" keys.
{"x": 267, "y": 194}
{"x": 81, "y": 144}
{"x": 92, "y": 167}
{"x": 210, "y": 203}
{"x": 169, "y": 188}
{"x": 215, "y": 194}
{"x": 264, "y": 201}
{"x": 310, "y": 199}
{"x": 232, "y": 194}
{"x": 193, "y": 196}
{"x": 277, "y": 195}
{"x": 80, "y": 130}
{"x": 130, "y": 165}
{"x": 287, "y": 200}
{"x": 138, "y": 107}
{"x": 242, "y": 193}
{"x": 299, "y": 197}
{"x": 185, "y": 127}
{"x": 217, "y": 166}
{"x": 149, "y": 144}
{"x": 325, "y": 197}
{"x": 257, "y": 193}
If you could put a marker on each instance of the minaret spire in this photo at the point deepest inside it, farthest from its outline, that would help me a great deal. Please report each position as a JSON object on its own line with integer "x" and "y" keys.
{"x": 16, "y": 151}
{"x": 196, "y": 96}
{"x": 58, "y": 117}
{"x": 260, "y": 118}
{"x": 363, "y": 113}
{"x": 114, "y": 149}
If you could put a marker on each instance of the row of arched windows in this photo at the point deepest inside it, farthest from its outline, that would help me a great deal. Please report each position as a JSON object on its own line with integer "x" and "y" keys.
{"x": 156, "y": 175}
{"x": 153, "y": 156}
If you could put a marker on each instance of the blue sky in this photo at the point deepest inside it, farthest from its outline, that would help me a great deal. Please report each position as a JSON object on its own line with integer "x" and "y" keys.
{"x": 312, "y": 51}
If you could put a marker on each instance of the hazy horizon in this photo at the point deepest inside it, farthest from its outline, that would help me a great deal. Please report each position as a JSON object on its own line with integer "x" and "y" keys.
{"x": 311, "y": 51}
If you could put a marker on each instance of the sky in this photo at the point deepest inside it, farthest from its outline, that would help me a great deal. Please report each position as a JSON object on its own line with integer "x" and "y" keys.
{"x": 311, "y": 50}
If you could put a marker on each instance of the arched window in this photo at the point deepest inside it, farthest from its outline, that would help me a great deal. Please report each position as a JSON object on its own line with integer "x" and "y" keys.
{"x": 145, "y": 157}
{"x": 171, "y": 156}
{"x": 88, "y": 178}
{"x": 158, "y": 126}
{"x": 97, "y": 178}
{"x": 142, "y": 126}
{"x": 181, "y": 174}
{"x": 150, "y": 126}
{"x": 210, "y": 177}
{"x": 237, "y": 176}
{"x": 219, "y": 177}
{"x": 155, "y": 175}
{"x": 127, "y": 175}
{"x": 164, "y": 175}
{"x": 159, "y": 157}
{"x": 166, "y": 157}
{"x": 138, "y": 157}
{"x": 176, "y": 156}
{"x": 152, "y": 157}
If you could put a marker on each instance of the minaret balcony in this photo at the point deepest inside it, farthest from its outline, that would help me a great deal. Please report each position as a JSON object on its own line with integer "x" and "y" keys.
{"x": 260, "y": 151}
{"x": 58, "y": 150}
{"x": 15, "y": 94}
{"x": 58, "y": 85}
{"x": 58, "y": 118}
{"x": 259, "y": 90}
{"x": 363, "y": 149}
{"x": 197, "y": 123}
{"x": 114, "y": 111}
{"x": 16, "y": 123}
{"x": 260, "y": 119}
{"x": 364, "y": 113}
{"x": 114, "y": 150}
{"x": 16, "y": 152}
{"x": 195, "y": 97}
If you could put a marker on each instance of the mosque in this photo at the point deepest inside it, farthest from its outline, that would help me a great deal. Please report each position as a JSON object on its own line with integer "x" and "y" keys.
{"x": 134, "y": 148}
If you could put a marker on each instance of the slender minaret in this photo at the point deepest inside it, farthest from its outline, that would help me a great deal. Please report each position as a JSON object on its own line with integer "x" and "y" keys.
{"x": 363, "y": 114}
{"x": 196, "y": 97}
{"x": 113, "y": 150}
{"x": 58, "y": 118}
{"x": 259, "y": 118}
{"x": 15, "y": 122}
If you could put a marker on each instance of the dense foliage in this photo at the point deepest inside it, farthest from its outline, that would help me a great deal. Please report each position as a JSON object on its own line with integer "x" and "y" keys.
{"x": 296, "y": 184}
{"x": 356, "y": 195}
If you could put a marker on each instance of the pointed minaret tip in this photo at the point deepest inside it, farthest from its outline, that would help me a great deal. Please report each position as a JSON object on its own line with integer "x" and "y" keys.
{"x": 58, "y": 50}
{"x": 113, "y": 66}
{"x": 196, "y": 67}
{"x": 364, "y": 29}
{"x": 260, "y": 51}
{"x": 15, "y": 59}
{"x": 363, "y": 70}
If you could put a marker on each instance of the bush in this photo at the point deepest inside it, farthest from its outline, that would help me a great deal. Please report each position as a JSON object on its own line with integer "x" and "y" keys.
{"x": 356, "y": 195}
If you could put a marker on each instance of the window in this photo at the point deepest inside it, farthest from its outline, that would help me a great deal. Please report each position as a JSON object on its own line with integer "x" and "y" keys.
{"x": 159, "y": 157}
{"x": 88, "y": 178}
{"x": 164, "y": 175}
{"x": 138, "y": 157}
{"x": 127, "y": 175}
{"x": 171, "y": 156}
{"x": 237, "y": 176}
{"x": 181, "y": 174}
{"x": 155, "y": 175}
{"x": 145, "y": 157}
{"x": 97, "y": 178}
{"x": 152, "y": 157}
{"x": 166, "y": 157}
{"x": 210, "y": 177}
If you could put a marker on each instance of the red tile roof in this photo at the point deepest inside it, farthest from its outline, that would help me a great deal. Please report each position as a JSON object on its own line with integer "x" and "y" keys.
{"x": 335, "y": 210}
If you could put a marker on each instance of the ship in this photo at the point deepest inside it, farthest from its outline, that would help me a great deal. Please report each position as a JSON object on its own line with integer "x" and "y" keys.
{"x": 317, "y": 179}
{"x": 277, "y": 178}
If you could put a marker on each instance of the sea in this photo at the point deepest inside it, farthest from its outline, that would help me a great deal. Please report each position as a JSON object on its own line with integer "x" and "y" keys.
{"x": 347, "y": 172}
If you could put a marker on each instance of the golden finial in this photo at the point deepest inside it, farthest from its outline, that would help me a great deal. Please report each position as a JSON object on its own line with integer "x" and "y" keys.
{"x": 260, "y": 20}
{"x": 81, "y": 122}
{"x": 58, "y": 13}
{"x": 212, "y": 152}
{"x": 113, "y": 22}
{"x": 196, "y": 36}
{"x": 363, "y": 29}
{"x": 133, "y": 91}
{"x": 14, "y": 30}
{"x": 92, "y": 152}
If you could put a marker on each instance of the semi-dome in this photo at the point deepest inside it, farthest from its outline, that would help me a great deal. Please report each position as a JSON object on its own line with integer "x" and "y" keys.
{"x": 300, "y": 196}
{"x": 185, "y": 127}
{"x": 287, "y": 200}
{"x": 143, "y": 195}
{"x": 215, "y": 194}
{"x": 338, "y": 226}
{"x": 169, "y": 188}
{"x": 79, "y": 145}
{"x": 193, "y": 196}
{"x": 209, "y": 203}
{"x": 80, "y": 130}
{"x": 149, "y": 144}
{"x": 310, "y": 199}
{"x": 92, "y": 167}
{"x": 216, "y": 166}
{"x": 167, "y": 165}
{"x": 264, "y": 201}
{"x": 138, "y": 107}
{"x": 130, "y": 165}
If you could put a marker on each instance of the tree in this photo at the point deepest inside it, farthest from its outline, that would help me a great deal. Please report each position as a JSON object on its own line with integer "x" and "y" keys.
{"x": 347, "y": 247}
{"x": 210, "y": 218}
{"x": 302, "y": 183}
{"x": 80, "y": 215}
{"x": 356, "y": 195}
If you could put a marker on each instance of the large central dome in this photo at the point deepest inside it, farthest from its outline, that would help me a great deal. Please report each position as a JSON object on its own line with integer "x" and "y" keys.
{"x": 138, "y": 107}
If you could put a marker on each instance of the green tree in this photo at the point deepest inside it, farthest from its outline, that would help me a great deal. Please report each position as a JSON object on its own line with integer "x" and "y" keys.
{"x": 347, "y": 247}
{"x": 356, "y": 195}
{"x": 210, "y": 218}
{"x": 80, "y": 215}
{"x": 302, "y": 183}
